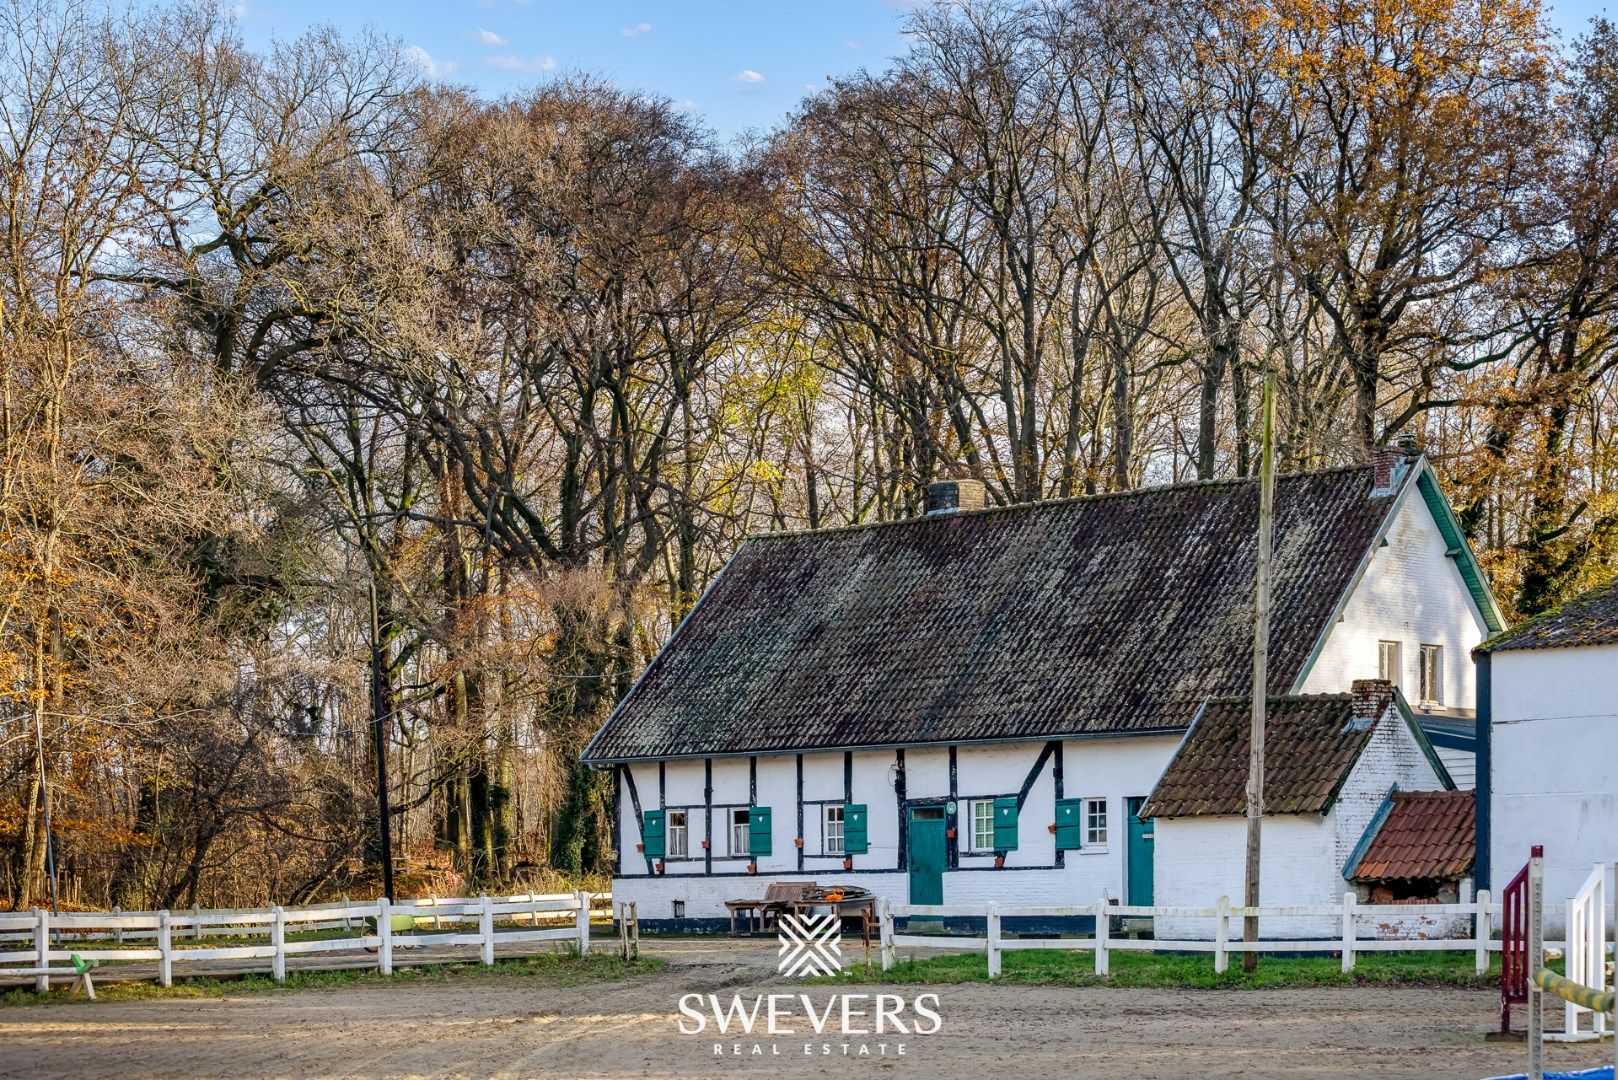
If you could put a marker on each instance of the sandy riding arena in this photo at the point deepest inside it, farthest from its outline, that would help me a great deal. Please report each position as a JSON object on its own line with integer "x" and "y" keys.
{"x": 487, "y": 1025}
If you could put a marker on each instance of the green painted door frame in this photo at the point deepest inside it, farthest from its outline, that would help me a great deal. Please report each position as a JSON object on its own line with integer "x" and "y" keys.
{"x": 926, "y": 854}
{"x": 1138, "y": 859}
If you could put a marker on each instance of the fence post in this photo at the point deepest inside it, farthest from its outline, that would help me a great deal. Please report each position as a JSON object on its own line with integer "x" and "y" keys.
{"x": 634, "y": 930}
{"x": 486, "y": 928}
{"x": 884, "y": 909}
{"x": 1481, "y": 930}
{"x": 1536, "y": 960}
{"x": 196, "y": 922}
{"x": 384, "y": 936}
{"x": 582, "y": 922}
{"x": 42, "y": 948}
{"x": 1349, "y": 900}
{"x": 165, "y": 949}
{"x": 993, "y": 931}
{"x": 1222, "y": 936}
{"x": 1103, "y": 932}
{"x": 278, "y": 942}
{"x": 118, "y": 929}
{"x": 347, "y": 925}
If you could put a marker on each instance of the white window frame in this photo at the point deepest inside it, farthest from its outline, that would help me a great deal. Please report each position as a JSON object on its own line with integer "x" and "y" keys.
{"x": 1092, "y": 841}
{"x": 740, "y": 831}
{"x": 677, "y": 837}
{"x": 1432, "y": 674}
{"x": 973, "y": 821}
{"x": 1389, "y": 660}
{"x": 832, "y": 829}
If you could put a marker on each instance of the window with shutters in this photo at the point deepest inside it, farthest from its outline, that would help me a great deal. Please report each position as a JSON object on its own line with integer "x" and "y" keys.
{"x": 1432, "y": 675}
{"x": 738, "y": 831}
{"x": 1387, "y": 661}
{"x": 982, "y": 819}
{"x": 831, "y": 833}
{"x": 1095, "y": 823}
{"x": 677, "y": 844}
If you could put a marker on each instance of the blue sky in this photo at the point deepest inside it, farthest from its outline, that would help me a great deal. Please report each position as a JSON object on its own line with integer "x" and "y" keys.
{"x": 741, "y": 65}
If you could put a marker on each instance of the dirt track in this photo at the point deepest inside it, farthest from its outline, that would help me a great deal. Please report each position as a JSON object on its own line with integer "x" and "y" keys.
{"x": 505, "y": 1028}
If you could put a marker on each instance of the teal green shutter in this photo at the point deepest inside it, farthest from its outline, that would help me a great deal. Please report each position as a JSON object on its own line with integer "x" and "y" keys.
{"x": 758, "y": 830}
{"x": 652, "y": 834}
{"x": 1005, "y": 823}
{"x": 854, "y": 836}
{"x": 1069, "y": 824}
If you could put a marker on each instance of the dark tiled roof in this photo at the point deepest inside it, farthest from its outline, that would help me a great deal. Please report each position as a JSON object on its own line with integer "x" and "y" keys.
{"x": 1590, "y": 619}
{"x": 1310, "y": 744}
{"x": 1118, "y": 613}
{"x": 1425, "y": 834}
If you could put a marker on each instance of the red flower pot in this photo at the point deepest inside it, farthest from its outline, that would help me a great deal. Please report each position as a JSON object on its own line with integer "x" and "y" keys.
{"x": 848, "y": 864}
{"x": 999, "y": 862}
{"x": 660, "y": 866}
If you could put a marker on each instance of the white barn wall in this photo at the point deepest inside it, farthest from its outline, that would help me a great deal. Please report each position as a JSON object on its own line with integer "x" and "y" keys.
{"x": 1554, "y": 724}
{"x": 1411, "y": 593}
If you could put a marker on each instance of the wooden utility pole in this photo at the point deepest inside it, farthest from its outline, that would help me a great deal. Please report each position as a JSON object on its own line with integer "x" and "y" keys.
{"x": 1261, "y": 658}
{"x": 381, "y": 731}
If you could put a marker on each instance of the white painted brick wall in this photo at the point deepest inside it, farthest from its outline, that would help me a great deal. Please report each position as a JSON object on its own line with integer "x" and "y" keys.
{"x": 1411, "y": 593}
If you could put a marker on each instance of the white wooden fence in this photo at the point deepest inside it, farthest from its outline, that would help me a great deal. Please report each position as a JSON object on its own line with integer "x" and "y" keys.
{"x": 458, "y": 923}
{"x": 1586, "y": 955}
{"x": 1349, "y": 943}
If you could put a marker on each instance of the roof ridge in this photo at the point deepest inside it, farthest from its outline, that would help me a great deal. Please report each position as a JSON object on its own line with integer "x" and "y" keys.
{"x": 1040, "y": 504}
{"x": 1525, "y": 629}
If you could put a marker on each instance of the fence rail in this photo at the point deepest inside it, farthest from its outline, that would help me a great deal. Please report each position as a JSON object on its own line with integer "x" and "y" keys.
{"x": 1349, "y": 942}
{"x": 378, "y": 926}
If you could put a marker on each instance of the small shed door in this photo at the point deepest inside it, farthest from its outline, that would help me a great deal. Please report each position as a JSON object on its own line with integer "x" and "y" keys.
{"x": 926, "y": 851}
{"x": 1138, "y": 860}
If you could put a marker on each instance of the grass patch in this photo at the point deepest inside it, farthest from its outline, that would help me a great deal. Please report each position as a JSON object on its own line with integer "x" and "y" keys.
{"x": 547, "y": 969}
{"x": 1168, "y": 971}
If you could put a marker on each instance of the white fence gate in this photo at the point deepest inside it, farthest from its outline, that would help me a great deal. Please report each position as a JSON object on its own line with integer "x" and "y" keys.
{"x": 1586, "y": 956}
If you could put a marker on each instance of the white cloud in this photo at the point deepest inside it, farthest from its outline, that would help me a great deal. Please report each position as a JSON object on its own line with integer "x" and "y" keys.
{"x": 687, "y": 106}
{"x": 489, "y": 37}
{"x": 433, "y": 69}
{"x": 748, "y": 76}
{"x": 640, "y": 29}
{"x": 240, "y": 11}
{"x": 518, "y": 63}
{"x": 852, "y": 45}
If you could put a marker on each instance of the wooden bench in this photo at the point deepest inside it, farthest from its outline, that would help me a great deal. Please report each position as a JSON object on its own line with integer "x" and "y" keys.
{"x": 779, "y": 898}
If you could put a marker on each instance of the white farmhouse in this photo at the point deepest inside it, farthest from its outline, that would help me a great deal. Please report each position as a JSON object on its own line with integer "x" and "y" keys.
{"x": 1548, "y": 757}
{"x": 974, "y": 705}
{"x": 1345, "y": 775}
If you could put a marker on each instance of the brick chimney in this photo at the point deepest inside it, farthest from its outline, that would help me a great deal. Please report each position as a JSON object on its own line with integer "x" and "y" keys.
{"x": 1390, "y": 463}
{"x": 948, "y": 496}
{"x": 1372, "y": 698}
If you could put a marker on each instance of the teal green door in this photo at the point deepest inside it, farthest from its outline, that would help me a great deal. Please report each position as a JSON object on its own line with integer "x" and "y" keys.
{"x": 926, "y": 854}
{"x": 1139, "y": 856}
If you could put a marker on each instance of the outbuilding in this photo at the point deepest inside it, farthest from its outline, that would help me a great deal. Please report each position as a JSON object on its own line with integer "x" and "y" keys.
{"x": 1548, "y": 738}
{"x": 1333, "y": 765}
